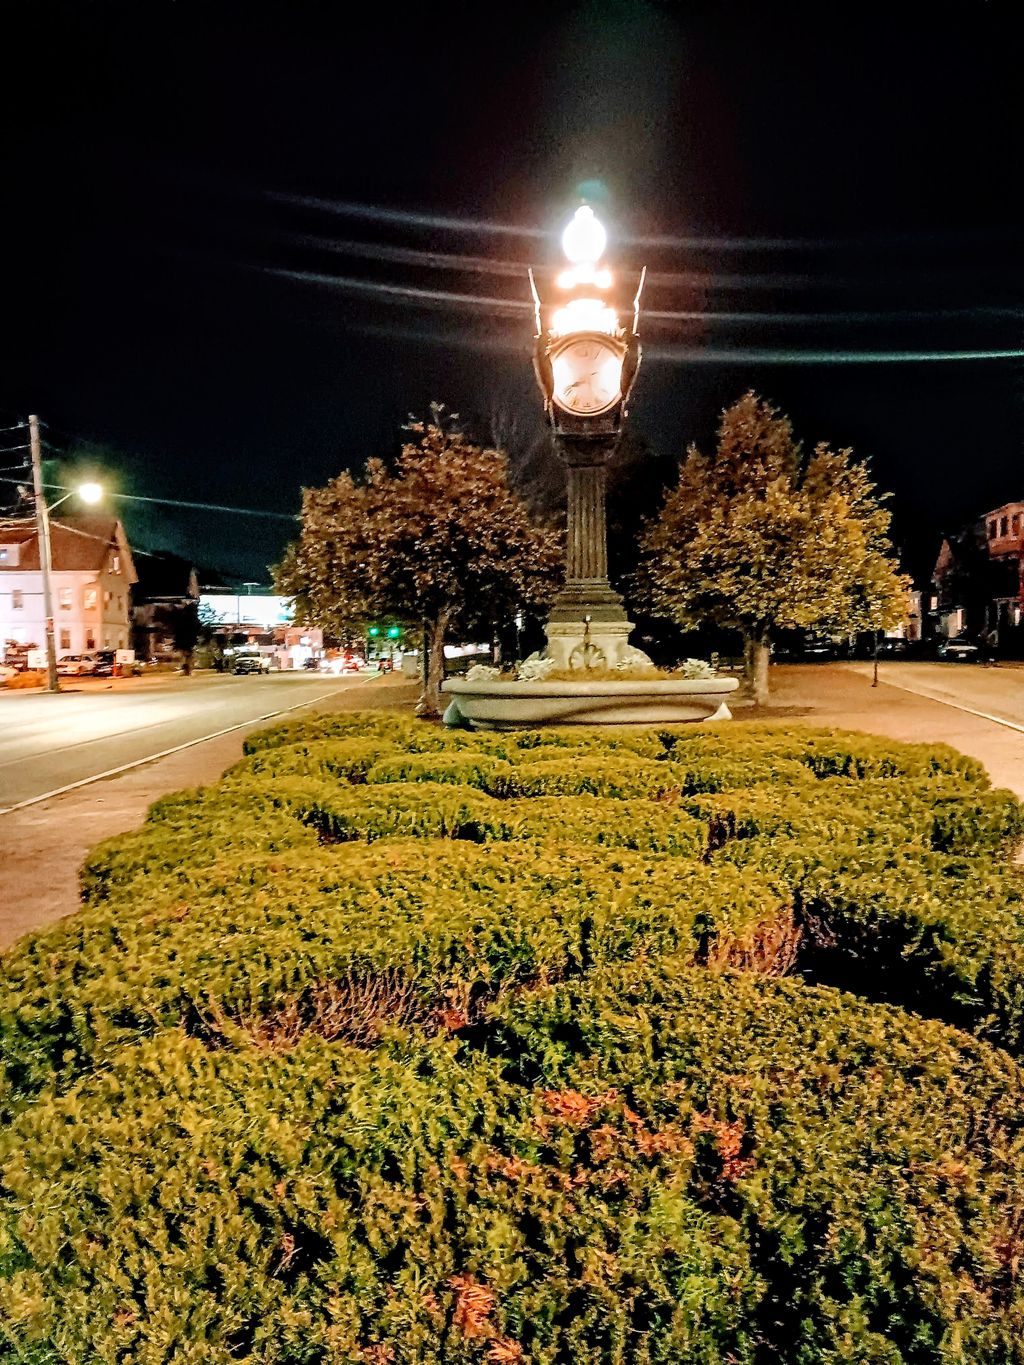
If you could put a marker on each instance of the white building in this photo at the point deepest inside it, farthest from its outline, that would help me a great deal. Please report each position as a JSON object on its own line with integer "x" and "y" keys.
{"x": 91, "y": 585}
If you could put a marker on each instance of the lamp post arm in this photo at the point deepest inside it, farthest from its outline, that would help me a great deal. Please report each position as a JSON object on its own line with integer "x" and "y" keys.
{"x": 636, "y": 301}
{"x": 536, "y": 300}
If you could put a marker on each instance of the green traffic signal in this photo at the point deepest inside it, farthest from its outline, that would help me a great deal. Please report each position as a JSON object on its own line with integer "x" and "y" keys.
{"x": 374, "y": 630}
{"x": 394, "y": 632}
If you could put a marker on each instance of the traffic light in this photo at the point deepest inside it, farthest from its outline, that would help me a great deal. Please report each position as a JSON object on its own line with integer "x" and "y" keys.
{"x": 373, "y": 632}
{"x": 394, "y": 632}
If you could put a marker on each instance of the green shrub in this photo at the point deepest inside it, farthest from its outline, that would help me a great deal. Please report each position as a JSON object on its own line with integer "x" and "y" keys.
{"x": 213, "y": 1207}
{"x": 825, "y": 753}
{"x": 651, "y": 1163}
{"x": 620, "y": 776}
{"x": 392, "y": 726}
{"x": 349, "y": 760}
{"x": 650, "y": 826}
{"x": 389, "y": 810}
{"x": 940, "y": 934}
{"x": 489, "y": 774}
{"x": 875, "y": 1162}
{"x": 405, "y": 1046}
{"x": 437, "y": 922}
{"x": 436, "y": 810}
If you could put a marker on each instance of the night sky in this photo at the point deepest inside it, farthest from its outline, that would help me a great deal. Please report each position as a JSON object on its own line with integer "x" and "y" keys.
{"x": 217, "y": 218}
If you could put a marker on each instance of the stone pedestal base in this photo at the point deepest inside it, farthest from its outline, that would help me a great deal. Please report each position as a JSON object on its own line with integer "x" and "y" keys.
{"x": 601, "y": 644}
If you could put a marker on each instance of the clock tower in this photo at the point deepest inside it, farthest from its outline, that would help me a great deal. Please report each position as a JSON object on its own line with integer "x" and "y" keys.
{"x": 586, "y": 364}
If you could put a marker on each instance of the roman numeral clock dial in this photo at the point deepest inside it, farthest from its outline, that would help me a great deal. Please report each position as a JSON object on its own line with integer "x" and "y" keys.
{"x": 587, "y": 376}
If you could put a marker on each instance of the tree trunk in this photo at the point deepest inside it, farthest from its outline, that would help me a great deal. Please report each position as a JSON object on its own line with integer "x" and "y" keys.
{"x": 431, "y": 703}
{"x": 755, "y": 666}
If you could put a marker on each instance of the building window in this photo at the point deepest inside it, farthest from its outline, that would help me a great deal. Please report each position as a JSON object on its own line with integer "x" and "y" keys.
{"x": 17, "y": 599}
{"x": 89, "y": 599}
{"x": 992, "y": 529}
{"x": 90, "y": 639}
{"x": 1015, "y": 524}
{"x": 65, "y": 638}
{"x": 115, "y": 564}
{"x": 120, "y": 602}
{"x": 64, "y": 598}
{"x": 1004, "y": 525}
{"x": 106, "y": 598}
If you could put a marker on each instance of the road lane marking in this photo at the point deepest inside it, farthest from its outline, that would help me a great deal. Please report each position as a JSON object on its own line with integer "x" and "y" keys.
{"x": 164, "y": 753}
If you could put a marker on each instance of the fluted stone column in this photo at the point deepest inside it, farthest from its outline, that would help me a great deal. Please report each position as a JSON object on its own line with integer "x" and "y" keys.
{"x": 587, "y": 624}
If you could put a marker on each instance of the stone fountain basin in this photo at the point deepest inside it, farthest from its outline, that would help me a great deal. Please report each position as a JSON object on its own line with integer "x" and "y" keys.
{"x": 496, "y": 705}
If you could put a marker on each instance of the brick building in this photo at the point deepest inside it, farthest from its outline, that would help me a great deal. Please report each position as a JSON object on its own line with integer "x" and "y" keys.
{"x": 978, "y": 579}
{"x": 1004, "y": 536}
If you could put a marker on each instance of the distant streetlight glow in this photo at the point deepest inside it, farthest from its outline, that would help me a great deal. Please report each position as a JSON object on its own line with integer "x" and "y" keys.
{"x": 90, "y": 492}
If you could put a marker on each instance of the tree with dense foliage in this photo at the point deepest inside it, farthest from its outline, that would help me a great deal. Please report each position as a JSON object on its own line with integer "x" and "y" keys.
{"x": 759, "y": 536}
{"x": 438, "y": 538}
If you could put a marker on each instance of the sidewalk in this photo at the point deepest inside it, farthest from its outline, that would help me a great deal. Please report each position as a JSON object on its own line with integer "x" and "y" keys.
{"x": 45, "y": 845}
{"x": 842, "y": 696}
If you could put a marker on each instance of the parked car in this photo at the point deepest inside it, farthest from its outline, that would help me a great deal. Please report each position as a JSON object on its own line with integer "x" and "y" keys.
{"x": 961, "y": 649}
{"x": 807, "y": 648}
{"x": 104, "y": 662}
{"x": 76, "y": 665}
{"x": 248, "y": 663}
{"x": 892, "y": 647}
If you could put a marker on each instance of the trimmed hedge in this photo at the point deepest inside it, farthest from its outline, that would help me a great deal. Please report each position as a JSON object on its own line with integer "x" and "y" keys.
{"x": 324, "y": 1205}
{"x": 874, "y": 1162}
{"x": 424, "y": 924}
{"x": 648, "y": 1164}
{"x": 400, "y": 809}
{"x": 405, "y": 1046}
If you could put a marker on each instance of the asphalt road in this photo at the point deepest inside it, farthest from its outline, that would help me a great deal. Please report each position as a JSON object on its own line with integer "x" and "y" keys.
{"x": 92, "y": 729}
{"x": 992, "y": 693}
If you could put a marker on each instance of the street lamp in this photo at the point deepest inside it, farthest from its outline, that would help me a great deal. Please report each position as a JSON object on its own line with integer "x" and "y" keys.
{"x": 89, "y": 493}
{"x": 586, "y": 363}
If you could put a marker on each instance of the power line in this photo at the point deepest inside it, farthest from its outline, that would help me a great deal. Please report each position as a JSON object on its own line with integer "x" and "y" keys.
{"x": 402, "y": 293}
{"x": 748, "y": 356}
{"x": 208, "y": 506}
{"x": 175, "y": 502}
{"x": 420, "y": 258}
{"x": 688, "y": 242}
{"x": 435, "y": 221}
{"x": 441, "y": 298}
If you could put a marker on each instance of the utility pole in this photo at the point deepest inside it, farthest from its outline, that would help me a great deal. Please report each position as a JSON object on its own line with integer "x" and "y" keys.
{"x": 45, "y": 558}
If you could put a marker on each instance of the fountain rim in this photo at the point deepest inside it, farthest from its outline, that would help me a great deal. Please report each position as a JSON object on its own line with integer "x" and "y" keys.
{"x": 635, "y": 687}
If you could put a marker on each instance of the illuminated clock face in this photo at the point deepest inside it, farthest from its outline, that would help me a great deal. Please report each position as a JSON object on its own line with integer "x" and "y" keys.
{"x": 587, "y": 376}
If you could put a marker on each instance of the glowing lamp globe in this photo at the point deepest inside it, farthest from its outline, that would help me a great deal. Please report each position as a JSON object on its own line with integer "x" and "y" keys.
{"x": 584, "y": 239}
{"x": 90, "y": 492}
